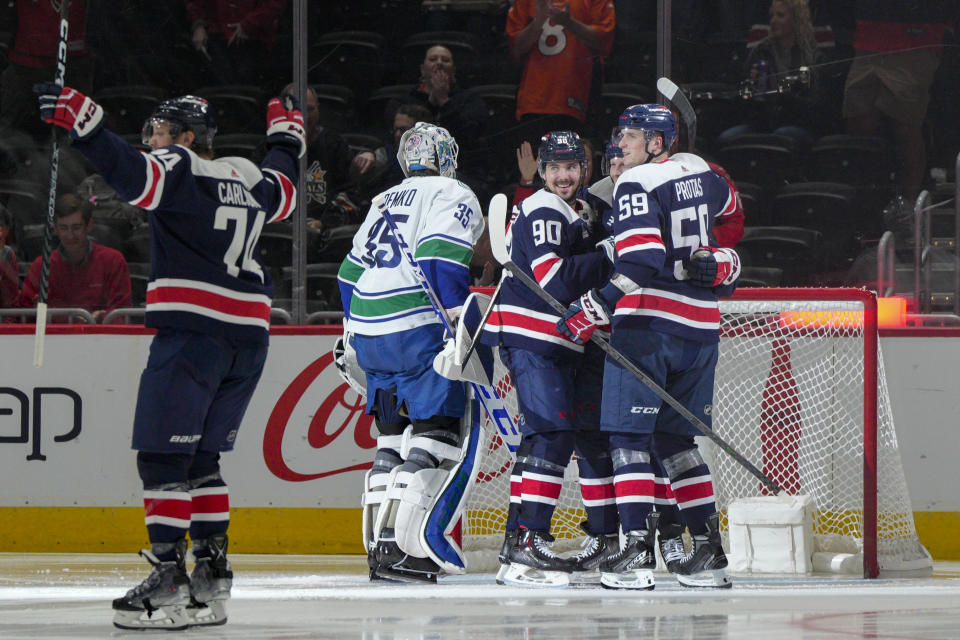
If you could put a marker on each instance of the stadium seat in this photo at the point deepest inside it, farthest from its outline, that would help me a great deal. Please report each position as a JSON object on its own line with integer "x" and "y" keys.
{"x": 828, "y": 207}
{"x": 760, "y": 277}
{"x": 614, "y": 98}
{"x": 718, "y": 107}
{"x": 138, "y": 288}
{"x": 30, "y": 242}
{"x": 375, "y": 114}
{"x": 244, "y": 145}
{"x": 753, "y": 199}
{"x": 323, "y": 293}
{"x": 793, "y": 250}
{"x": 336, "y": 106}
{"x": 126, "y": 107}
{"x": 767, "y": 159}
{"x": 25, "y": 200}
{"x": 331, "y": 245}
{"x": 361, "y": 141}
{"x": 137, "y": 247}
{"x": 499, "y": 139}
{"x": 276, "y": 245}
{"x": 355, "y": 59}
{"x": 865, "y": 161}
{"x": 237, "y": 108}
{"x": 108, "y": 236}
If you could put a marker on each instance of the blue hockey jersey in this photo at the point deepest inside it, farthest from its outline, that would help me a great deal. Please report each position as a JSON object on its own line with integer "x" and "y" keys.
{"x": 663, "y": 212}
{"x": 205, "y": 222}
{"x": 552, "y": 243}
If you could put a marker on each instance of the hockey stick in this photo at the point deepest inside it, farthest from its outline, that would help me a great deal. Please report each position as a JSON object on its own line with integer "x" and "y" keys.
{"x": 41, "y": 332}
{"x": 672, "y": 92}
{"x": 498, "y": 200}
{"x": 489, "y": 398}
{"x": 499, "y": 247}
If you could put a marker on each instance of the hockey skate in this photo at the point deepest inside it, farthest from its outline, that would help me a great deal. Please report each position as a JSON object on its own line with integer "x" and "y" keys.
{"x": 509, "y": 539}
{"x": 533, "y": 563}
{"x": 393, "y": 564}
{"x": 596, "y": 549}
{"x": 671, "y": 546}
{"x": 210, "y": 584}
{"x": 706, "y": 565}
{"x": 632, "y": 567}
{"x": 159, "y": 602}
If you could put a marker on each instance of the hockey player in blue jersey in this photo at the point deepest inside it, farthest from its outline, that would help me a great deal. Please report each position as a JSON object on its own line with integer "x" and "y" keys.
{"x": 558, "y": 382}
{"x": 396, "y": 335}
{"x": 209, "y": 299}
{"x": 662, "y": 301}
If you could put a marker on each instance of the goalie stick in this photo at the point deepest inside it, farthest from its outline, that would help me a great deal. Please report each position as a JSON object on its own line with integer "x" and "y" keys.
{"x": 672, "y": 92}
{"x": 487, "y": 395}
{"x": 61, "y": 72}
{"x": 496, "y": 218}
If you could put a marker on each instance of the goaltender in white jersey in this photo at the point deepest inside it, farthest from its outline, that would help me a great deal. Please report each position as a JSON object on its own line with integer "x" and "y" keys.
{"x": 396, "y": 334}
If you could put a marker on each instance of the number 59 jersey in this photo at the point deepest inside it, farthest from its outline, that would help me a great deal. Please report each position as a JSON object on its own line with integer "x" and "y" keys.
{"x": 205, "y": 222}
{"x": 662, "y": 213}
{"x": 441, "y": 220}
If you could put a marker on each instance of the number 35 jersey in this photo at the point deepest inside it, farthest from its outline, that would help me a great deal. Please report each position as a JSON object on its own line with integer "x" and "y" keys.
{"x": 440, "y": 220}
{"x": 205, "y": 222}
{"x": 662, "y": 212}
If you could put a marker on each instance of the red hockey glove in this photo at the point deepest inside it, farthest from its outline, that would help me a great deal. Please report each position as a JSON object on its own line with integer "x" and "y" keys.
{"x": 585, "y": 316}
{"x": 712, "y": 266}
{"x": 285, "y": 124}
{"x": 69, "y": 109}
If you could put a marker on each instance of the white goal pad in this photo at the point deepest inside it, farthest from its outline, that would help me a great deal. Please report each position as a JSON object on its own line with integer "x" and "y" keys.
{"x": 801, "y": 393}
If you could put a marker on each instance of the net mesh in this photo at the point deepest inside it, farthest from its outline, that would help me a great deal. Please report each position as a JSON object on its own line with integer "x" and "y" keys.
{"x": 789, "y": 397}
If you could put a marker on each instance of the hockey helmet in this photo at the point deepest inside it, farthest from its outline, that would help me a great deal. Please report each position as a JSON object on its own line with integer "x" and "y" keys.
{"x": 186, "y": 113}
{"x": 611, "y": 151}
{"x": 651, "y": 118}
{"x": 561, "y": 146}
{"x": 428, "y": 147}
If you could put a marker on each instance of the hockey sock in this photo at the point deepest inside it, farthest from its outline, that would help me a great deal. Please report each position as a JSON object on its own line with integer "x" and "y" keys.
{"x": 596, "y": 481}
{"x": 542, "y": 477}
{"x": 166, "y": 500}
{"x": 210, "y": 500}
{"x": 663, "y": 497}
{"x": 516, "y": 479}
{"x": 632, "y": 478}
{"x": 690, "y": 480}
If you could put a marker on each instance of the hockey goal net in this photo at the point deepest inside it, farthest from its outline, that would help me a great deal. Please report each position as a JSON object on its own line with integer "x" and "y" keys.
{"x": 801, "y": 393}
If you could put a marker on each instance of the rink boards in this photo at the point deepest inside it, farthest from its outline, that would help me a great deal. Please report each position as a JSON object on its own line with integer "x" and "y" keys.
{"x": 69, "y": 480}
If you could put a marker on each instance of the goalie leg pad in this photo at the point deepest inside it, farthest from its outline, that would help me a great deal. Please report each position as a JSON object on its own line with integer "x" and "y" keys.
{"x": 375, "y": 486}
{"x": 431, "y": 504}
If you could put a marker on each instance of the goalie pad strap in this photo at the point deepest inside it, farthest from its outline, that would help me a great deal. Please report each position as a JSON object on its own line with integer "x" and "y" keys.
{"x": 439, "y": 450}
{"x": 390, "y": 442}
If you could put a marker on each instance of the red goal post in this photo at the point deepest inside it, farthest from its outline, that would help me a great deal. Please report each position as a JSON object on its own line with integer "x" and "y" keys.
{"x": 800, "y": 392}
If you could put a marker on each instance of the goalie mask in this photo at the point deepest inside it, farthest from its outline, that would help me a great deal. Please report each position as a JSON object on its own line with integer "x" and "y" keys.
{"x": 427, "y": 147}
{"x": 186, "y": 113}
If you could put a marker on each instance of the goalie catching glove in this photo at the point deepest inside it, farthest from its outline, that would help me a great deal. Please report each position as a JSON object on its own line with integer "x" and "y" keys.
{"x": 713, "y": 266}
{"x": 68, "y": 109}
{"x": 285, "y": 124}
{"x": 585, "y": 316}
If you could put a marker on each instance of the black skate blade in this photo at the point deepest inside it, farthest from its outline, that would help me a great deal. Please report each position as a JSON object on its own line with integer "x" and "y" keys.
{"x": 402, "y": 575}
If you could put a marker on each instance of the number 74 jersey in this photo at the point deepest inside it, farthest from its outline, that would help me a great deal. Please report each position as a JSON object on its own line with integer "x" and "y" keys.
{"x": 662, "y": 212}
{"x": 205, "y": 222}
{"x": 441, "y": 220}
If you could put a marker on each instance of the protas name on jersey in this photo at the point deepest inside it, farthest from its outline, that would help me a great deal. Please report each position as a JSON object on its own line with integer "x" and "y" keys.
{"x": 205, "y": 223}
{"x": 682, "y": 196}
{"x": 552, "y": 243}
{"x": 441, "y": 220}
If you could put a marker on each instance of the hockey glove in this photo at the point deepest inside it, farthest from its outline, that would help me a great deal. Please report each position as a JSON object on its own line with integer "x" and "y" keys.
{"x": 285, "y": 124}
{"x": 712, "y": 266}
{"x": 585, "y": 316}
{"x": 69, "y": 109}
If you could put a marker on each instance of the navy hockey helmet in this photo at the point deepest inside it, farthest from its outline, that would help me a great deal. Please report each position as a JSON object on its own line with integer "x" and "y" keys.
{"x": 561, "y": 146}
{"x": 651, "y": 118}
{"x": 186, "y": 113}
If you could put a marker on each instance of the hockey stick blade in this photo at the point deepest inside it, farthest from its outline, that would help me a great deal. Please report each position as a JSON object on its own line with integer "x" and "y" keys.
{"x": 672, "y": 92}
{"x": 489, "y": 398}
{"x": 500, "y": 252}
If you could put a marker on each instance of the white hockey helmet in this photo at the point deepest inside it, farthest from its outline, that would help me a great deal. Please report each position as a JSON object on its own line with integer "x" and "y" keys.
{"x": 427, "y": 146}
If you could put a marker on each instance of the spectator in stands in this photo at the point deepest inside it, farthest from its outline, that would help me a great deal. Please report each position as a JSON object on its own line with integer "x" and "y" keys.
{"x": 83, "y": 274}
{"x": 33, "y": 57}
{"x": 898, "y": 48}
{"x": 235, "y": 40}
{"x": 333, "y": 197}
{"x": 9, "y": 269}
{"x": 557, "y": 40}
{"x": 451, "y": 107}
{"x": 379, "y": 168}
{"x": 786, "y": 60}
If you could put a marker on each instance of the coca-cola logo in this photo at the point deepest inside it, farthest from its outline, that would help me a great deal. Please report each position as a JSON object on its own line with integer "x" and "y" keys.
{"x": 340, "y": 410}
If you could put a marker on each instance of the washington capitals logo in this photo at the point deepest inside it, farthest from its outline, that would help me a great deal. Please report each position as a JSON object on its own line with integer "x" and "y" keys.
{"x": 316, "y": 183}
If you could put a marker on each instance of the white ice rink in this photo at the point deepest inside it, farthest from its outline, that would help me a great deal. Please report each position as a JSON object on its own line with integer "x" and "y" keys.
{"x": 51, "y": 596}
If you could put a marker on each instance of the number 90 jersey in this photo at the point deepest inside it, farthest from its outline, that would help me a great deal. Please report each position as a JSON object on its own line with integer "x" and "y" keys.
{"x": 662, "y": 212}
{"x": 205, "y": 222}
{"x": 441, "y": 220}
